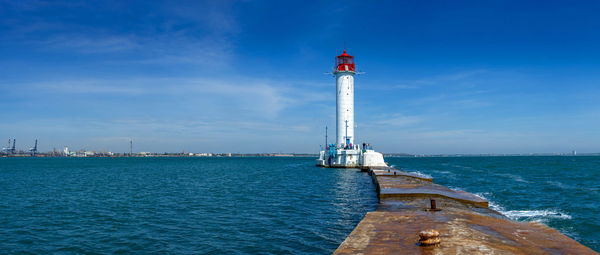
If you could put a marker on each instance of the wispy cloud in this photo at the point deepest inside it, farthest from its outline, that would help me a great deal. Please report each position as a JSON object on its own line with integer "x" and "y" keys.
{"x": 265, "y": 98}
{"x": 454, "y": 99}
{"x": 91, "y": 43}
{"x": 394, "y": 121}
{"x": 201, "y": 34}
{"x": 444, "y": 80}
{"x": 86, "y": 87}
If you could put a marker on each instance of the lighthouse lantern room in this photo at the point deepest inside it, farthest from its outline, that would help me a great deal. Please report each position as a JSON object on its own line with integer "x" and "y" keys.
{"x": 344, "y": 63}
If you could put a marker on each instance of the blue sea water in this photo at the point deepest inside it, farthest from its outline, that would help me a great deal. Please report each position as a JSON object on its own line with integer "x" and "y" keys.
{"x": 258, "y": 205}
{"x": 562, "y": 192}
{"x": 178, "y": 205}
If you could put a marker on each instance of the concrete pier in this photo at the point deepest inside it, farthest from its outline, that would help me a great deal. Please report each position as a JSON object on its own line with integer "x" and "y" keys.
{"x": 464, "y": 221}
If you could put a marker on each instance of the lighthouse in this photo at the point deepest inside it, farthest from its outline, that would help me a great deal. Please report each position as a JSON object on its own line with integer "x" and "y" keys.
{"x": 344, "y": 71}
{"x": 345, "y": 152}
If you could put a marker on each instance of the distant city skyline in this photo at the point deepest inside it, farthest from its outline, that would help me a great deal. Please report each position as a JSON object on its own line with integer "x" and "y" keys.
{"x": 248, "y": 76}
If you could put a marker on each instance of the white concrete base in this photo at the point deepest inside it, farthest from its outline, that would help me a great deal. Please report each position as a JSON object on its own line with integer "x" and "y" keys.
{"x": 351, "y": 158}
{"x": 371, "y": 158}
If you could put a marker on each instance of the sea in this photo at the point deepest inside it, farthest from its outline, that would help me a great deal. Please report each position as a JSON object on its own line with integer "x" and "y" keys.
{"x": 259, "y": 205}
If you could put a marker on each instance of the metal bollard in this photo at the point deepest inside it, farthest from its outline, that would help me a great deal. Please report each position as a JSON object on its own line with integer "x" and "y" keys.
{"x": 433, "y": 206}
{"x": 429, "y": 237}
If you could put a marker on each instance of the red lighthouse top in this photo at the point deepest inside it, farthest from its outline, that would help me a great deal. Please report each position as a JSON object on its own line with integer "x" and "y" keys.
{"x": 344, "y": 63}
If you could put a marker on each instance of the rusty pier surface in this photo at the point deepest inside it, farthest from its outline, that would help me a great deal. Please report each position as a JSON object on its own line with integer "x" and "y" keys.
{"x": 410, "y": 203}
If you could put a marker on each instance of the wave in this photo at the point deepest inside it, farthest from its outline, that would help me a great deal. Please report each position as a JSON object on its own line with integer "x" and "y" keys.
{"x": 526, "y": 215}
{"x": 534, "y": 215}
{"x": 421, "y": 174}
{"x": 412, "y": 171}
{"x": 514, "y": 177}
{"x": 446, "y": 174}
{"x": 559, "y": 184}
{"x": 459, "y": 189}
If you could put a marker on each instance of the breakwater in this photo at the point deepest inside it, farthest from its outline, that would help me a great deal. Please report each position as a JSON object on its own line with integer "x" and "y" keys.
{"x": 411, "y": 203}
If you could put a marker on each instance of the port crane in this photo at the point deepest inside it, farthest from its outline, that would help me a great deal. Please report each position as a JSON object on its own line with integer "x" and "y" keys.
{"x": 9, "y": 149}
{"x": 34, "y": 149}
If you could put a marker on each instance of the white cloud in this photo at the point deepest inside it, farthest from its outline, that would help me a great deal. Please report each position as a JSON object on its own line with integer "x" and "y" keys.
{"x": 396, "y": 120}
{"x": 242, "y": 95}
{"x": 97, "y": 44}
{"x": 442, "y": 80}
{"x": 200, "y": 33}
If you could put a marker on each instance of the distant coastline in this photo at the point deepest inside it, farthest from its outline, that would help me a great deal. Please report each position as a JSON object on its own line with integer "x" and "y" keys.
{"x": 220, "y": 155}
{"x": 151, "y": 154}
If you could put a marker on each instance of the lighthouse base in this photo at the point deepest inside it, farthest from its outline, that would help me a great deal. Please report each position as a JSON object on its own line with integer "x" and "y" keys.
{"x": 351, "y": 158}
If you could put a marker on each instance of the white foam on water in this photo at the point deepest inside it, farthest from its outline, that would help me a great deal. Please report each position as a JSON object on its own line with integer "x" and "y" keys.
{"x": 413, "y": 172}
{"x": 421, "y": 174}
{"x": 446, "y": 174}
{"x": 559, "y": 184}
{"x": 526, "y": 215}
{"x": 455, "y": 188}
{"x": 463, "y": 167}
{"x": 514, "y": 177}
{"x": 536, "y": 215}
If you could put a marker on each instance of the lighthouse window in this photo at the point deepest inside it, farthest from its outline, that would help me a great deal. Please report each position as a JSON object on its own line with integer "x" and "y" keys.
{"x": 344, "y": 60}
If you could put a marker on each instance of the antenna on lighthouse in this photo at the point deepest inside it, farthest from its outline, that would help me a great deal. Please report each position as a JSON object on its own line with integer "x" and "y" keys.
{"x": 326, "y": 145}
{"x": 347, "y": 139}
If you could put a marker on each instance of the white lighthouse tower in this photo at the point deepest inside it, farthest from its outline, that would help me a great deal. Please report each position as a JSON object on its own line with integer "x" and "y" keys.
{"x": 344, "y": 75}
{"x": 345, "y": 153}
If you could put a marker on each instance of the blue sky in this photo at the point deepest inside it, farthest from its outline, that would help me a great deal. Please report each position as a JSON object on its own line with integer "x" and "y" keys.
{"x": 248, "y": 76}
